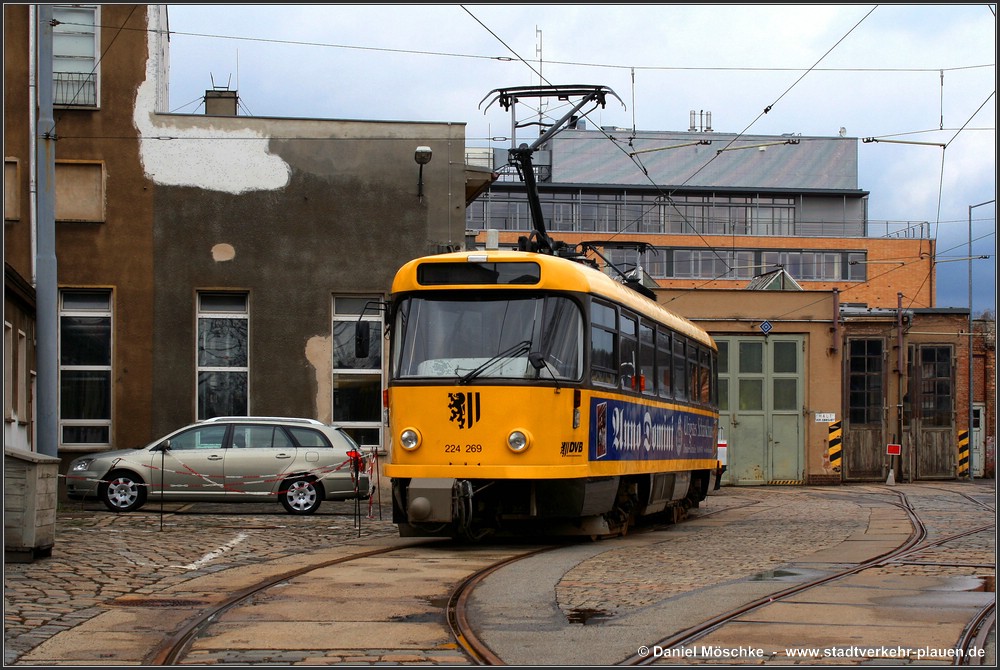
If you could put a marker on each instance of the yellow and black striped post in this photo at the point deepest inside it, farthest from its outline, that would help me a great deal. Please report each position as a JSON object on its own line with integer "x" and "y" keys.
{"x": 963, "y": 453}
{"x": 834, "y": 450}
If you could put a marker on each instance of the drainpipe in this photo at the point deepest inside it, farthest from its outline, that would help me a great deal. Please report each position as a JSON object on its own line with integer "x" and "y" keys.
{"x": 836, "y": 321}
{"x": 32, "y": 135}
{"x": 46, "y": 289}
{"x": 899, "y": 382}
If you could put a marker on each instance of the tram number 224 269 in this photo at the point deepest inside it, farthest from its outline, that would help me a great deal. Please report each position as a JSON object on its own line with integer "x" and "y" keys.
{"x": 460, "y": 449}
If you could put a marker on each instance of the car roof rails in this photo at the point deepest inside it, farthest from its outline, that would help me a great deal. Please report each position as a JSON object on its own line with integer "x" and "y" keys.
{"x": 292, "y": 419}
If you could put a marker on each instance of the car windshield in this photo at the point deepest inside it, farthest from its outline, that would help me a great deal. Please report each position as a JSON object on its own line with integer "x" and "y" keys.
{"x": 503, "y": 336}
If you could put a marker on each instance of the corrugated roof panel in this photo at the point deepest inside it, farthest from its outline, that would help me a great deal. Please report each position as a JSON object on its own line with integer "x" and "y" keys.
{"x": 814, "y": 163}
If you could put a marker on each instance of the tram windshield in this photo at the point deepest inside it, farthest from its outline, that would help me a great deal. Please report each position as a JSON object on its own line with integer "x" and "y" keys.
{"x": 520, "y": 337}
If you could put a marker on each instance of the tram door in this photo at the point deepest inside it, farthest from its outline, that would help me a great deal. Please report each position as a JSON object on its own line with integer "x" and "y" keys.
{"x": 760, "y": 397}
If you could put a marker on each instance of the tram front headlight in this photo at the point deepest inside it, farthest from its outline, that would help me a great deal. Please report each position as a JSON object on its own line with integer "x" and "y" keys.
{"x": 409, "y": 439}
{"x": 518, "y": 441}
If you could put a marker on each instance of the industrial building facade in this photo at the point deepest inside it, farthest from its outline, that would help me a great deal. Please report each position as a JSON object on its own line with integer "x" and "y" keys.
{"x": 208, "y": 263}
{"x": 213, "y": 264}
{"x": 831, "y": 348}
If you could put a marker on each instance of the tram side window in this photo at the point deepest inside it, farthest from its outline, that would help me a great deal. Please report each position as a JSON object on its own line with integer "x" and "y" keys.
{"x": 704, "y": 375}
{"x": 562, "y": 337}
{"x": 629, "y": 360}
{"x": 694, "y": 386}
{"x": 664, "y": 363}
{"x": 680, "y": 368}
{"x": 713, "y": 357}
{"x": 603, "y": 333}
{"x": 647, "y": 359}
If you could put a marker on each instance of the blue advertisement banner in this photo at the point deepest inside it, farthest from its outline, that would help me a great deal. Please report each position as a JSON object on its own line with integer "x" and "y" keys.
{"x": 625, "y": 431}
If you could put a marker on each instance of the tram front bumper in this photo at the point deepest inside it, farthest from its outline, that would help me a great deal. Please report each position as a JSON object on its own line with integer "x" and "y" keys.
{"x": 430, "y": 501}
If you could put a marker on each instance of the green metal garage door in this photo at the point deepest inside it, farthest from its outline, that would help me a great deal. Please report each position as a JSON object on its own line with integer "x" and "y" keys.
{"x": 761, "y": 382}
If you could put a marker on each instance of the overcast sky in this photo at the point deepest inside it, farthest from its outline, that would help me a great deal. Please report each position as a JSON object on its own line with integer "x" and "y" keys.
{"x": 923, "y": 74}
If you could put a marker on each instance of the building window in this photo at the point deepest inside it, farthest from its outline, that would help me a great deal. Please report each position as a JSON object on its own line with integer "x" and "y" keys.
{"x": 8, "y": 371}
{"x": 358, "y": 380}
{"x": 857, "y": 270}
{"x": 11, "y": 190}
{"x": 22, "y": 376}
{"x": 74, "y": 55}
{"x": 936, "y": 386}
{"x": 222, "y": 355}
{"x": 80, "y": 191}
{"x": 723, "y": 370}
{"x": 865, "y": 389}
{"x": 85, "y": 368}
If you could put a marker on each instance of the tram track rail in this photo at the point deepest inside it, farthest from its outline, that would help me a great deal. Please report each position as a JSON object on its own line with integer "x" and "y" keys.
{"x": 195, "y": 637}
{"x": 176, "y": 646}
{"x": 464, "y": 632}
{"x": 976, "y": 633}
{"x": 174, "y": 649}
{"x": 458, "y": 620}
{"x": 973, "y": 637}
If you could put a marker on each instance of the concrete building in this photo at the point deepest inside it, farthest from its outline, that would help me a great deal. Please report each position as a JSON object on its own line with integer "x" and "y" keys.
{"x": 207, "y": 264}
{"x": 831, "y": 347}
{"x": 715, "y": 210}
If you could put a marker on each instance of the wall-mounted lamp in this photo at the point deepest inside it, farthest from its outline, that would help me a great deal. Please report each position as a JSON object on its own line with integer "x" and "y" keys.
{"x": 423, "y": 156}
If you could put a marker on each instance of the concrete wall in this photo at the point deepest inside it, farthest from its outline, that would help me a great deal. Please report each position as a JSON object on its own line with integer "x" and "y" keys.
{"x": 291, "y": 211}
{"x": 345, "y": 220}
{"x": 117, "y": 253}
{"x": 809, "y": 314}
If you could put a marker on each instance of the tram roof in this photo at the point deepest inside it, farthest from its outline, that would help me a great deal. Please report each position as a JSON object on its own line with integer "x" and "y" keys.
{"x": 556, "y": 274}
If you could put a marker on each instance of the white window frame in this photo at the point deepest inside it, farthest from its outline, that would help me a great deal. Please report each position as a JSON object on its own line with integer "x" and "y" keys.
{"x": 373, "y": 315}
{"x": 73, "y": 63}
{"x": 220, "y": 314}
{"x": 107, "y": 312}
{"x": 8, "y": 371}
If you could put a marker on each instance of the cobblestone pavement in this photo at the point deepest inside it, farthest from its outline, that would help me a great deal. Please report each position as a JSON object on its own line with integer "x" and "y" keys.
{"x": 99, "y": 556}
{"x": 779, "y": 526}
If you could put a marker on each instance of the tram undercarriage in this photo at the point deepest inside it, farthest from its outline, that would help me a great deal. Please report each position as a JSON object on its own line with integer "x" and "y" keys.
{"x": 594, "y": 507}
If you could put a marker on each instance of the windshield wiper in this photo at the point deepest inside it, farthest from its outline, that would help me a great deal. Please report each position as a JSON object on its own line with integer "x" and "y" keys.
{"x": 521, "y": 347}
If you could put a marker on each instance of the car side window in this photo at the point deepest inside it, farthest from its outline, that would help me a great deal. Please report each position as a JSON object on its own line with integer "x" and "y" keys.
{"x": 206, "y": 437}
{"x": 260, "y": 437}
{"x": 307, "y": 437}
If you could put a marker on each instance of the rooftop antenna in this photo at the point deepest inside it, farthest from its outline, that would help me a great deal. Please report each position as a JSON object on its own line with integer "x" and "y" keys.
{"x": 215, "y": 87}
{"x": 541, "y": 79}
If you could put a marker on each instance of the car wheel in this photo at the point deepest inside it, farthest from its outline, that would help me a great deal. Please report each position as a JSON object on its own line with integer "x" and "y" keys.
{"x": 122, "y": 492}
{"x": 301, "y": 496}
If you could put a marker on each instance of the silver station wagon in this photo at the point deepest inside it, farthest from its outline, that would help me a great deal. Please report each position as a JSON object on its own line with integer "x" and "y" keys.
{"x": 298, "y": 462}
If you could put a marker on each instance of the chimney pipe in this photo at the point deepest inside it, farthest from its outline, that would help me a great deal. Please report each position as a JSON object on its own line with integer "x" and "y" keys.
{"x": 220, "y": 103}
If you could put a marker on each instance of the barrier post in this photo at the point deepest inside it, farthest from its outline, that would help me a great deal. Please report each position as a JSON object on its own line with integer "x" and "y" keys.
{"x": 356, "y": 458}
{"x": 722, "y": 456}
{"x": 892, "y": 450}
{"x": 374, "y": 483}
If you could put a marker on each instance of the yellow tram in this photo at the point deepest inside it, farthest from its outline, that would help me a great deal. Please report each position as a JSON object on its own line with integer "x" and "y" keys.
{"x": 531, "y": 393}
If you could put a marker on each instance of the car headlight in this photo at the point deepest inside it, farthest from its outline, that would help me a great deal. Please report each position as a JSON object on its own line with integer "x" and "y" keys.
{"x": 81, "y": 465}
{"x": 409, "y": 439}
{"x": 517, "y": 441}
